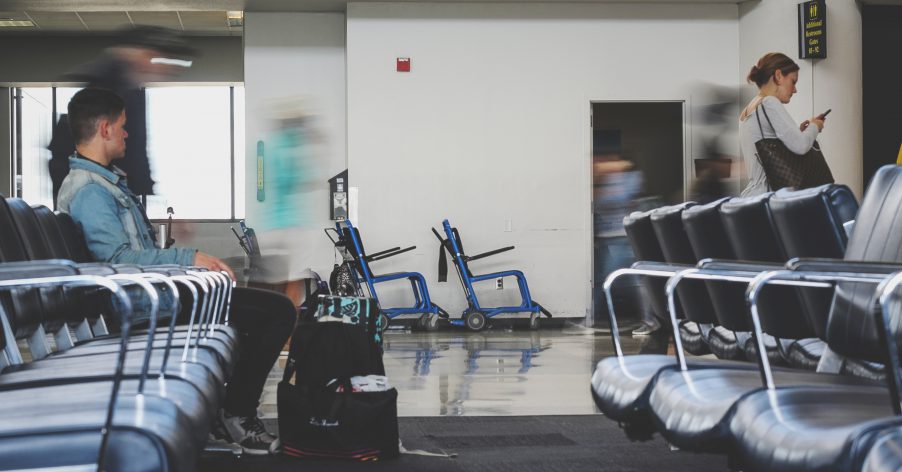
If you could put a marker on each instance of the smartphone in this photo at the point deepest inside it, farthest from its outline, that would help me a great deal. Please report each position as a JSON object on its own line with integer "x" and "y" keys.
{"x": 824, "y": 114}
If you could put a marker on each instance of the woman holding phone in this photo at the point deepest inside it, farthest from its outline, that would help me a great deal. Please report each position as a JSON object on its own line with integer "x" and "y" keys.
{"x": 765, "y": 117}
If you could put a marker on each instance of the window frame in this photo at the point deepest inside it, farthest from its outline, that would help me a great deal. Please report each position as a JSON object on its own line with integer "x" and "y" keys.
{"x": 16, "y": 133}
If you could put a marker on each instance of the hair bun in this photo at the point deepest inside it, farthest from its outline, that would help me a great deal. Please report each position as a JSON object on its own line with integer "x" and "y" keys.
{"x": 753, "y": 74}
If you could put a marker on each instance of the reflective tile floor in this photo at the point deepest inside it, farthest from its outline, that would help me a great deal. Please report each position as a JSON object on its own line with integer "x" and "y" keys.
{"x": 495, "y": 372}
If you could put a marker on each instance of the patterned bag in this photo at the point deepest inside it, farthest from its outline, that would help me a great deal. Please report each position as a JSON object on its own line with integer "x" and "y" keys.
{"x": 343, "y": 280}
{"x": 784, "y": 168}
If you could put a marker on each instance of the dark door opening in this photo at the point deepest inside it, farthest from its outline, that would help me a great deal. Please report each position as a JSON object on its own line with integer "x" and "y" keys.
{"x": 637, "y": 165}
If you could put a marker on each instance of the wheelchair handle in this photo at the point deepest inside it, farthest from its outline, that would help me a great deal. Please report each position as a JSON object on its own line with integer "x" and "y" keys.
{"x": 381, "y": 253}
{"x": 329, "y": 235}
{"x": 487, "y": 254}
{"x": 386, "y": 256}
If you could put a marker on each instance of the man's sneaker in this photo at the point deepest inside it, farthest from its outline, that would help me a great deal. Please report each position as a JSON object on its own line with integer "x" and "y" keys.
{"x": 645, "y": 330}
{"x": 249, "y": 433}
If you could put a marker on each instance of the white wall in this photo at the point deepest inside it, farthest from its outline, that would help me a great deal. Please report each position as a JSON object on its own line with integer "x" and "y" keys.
{"x": 492, "y": 124}
{"x": 288, "y": 55}
{"x": 831, "y": 83}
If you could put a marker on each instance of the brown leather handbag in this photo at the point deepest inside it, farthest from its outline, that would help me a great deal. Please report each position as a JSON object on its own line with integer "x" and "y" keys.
{"x": 784, "y": 168}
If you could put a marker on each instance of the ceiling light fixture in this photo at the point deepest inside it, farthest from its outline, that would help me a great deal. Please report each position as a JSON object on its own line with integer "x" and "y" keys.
{"x": 11, "y": 23}
{"x": 236, "y": 18}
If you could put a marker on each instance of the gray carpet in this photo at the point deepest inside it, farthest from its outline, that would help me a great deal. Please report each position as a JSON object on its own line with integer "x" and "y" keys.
{"x": 501, "y": 444}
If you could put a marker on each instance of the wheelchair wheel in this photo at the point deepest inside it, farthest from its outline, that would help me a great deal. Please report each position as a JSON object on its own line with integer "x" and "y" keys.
{"x": 475, "y": 320}
{"x": 428, "y": 322}
{"x": 384, "y": 320}
{"x": 534, "y": 321}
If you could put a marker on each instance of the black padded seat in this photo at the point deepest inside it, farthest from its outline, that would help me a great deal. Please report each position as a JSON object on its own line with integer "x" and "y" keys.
{"x": 692, "y": 409}
{"x": 645, "y": 246}
{"x": 40, "y": 225}
{"x": 810, "y": 224}
{"x": 667, "y": 223}
{"x": 73, "y": 238}
{"x": 753, "y": 237}
{"x": 621, "y": 387}
{"x": 11, "y": 247}
{"x": 811, "y": 428}
{"x": 32, "y": 237}
{"x": 58, "y": 426}
{"x": 52, "y": 233}
{"x": 831, "y": 428}
{"x": 886, "y": 453}
{"x": 709, "y": 240}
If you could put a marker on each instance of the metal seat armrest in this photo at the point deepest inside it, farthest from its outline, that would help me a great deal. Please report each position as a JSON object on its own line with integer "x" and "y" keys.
{"x": 737, "y": 266}
{"x": 839, "y": 265}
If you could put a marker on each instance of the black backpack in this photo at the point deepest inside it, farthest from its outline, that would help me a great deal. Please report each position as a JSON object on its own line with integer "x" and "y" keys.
{"x": 320, "y": 416}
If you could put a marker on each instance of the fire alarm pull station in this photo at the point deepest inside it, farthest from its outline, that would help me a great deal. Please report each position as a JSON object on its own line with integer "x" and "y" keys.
{"x": 403, "y": 64}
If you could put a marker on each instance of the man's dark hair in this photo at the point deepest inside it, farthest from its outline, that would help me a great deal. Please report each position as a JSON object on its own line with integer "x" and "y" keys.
{"x": 90, "y": 105}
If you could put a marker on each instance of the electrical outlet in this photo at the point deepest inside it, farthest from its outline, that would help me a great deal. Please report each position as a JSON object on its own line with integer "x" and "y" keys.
{"x": 499, "y": 283}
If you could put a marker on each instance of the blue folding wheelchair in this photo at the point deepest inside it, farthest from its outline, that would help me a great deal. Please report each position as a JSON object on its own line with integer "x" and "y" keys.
{"x": 475, "y": 316}
{"x": 347, "y": 241}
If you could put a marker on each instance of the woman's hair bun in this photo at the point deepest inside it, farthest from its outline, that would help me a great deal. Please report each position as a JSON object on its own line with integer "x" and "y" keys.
{"x": 753, "y": 74}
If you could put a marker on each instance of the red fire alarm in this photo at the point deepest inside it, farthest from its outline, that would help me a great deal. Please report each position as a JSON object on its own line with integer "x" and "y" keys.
{"x": 403, "y": 64}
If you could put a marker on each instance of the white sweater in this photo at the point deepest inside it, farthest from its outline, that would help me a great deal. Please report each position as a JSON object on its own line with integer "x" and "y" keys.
{"x": 784, "y": 127}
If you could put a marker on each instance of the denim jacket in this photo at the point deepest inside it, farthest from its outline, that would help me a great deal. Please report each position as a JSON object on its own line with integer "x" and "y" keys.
{"x": 111, "y": 217}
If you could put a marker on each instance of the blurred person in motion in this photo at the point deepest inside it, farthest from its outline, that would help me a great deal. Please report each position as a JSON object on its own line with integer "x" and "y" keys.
{"x": 715, "y": 107}
{"x": 775, "y": 75}
{"x": 617, "y": 185}
{"x": 142, "y": 54}
{"x": 295, "y": 185}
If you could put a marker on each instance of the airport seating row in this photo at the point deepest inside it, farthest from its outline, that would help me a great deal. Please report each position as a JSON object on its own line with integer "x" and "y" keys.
{"x": 831, "y": 312}
{"x": 104, "y": 366}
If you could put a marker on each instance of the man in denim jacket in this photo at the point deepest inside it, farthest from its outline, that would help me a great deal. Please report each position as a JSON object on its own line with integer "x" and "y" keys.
{"x": 117, "y": 230}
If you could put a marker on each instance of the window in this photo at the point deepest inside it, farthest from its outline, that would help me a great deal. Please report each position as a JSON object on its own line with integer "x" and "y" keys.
{"x": 189, "y": 141}
{"x": 194, "y": 134}
{"x": 32, "y": 163}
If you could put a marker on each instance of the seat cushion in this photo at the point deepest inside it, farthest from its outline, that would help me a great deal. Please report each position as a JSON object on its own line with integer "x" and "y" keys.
{"x": 693, "y": 408}
{"x": 809, "y": 428}
{"x": 620, "y": 386}
{"x": 104, "y": 363}
{"x": 886, "y": 453}
{"x": 148, "y": 435}
{"x": 805, "y": 353}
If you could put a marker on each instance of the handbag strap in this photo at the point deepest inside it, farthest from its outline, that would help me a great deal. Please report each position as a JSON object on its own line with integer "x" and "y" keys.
{"x": 758, "y": 117}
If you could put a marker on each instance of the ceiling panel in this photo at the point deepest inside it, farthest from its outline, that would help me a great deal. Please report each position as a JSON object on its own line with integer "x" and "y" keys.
{"x": 57, "y": 20}
{"x": 105, "y": 20}
{"x": 205, "y": 20}
{"x": 14, "y": 15}
{"x": 166, "y": 19}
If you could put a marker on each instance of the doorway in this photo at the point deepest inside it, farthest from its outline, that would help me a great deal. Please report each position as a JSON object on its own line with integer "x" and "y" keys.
{"x": 637, "y": 164}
